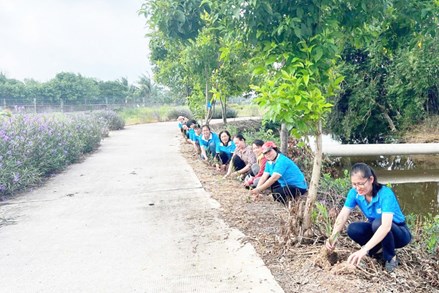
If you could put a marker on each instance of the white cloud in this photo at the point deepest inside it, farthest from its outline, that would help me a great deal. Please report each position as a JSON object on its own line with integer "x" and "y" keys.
{"x": 96, "y": 38}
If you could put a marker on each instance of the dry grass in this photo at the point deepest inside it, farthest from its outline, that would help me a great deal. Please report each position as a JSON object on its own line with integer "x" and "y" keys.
{"x": 426, "y": 132}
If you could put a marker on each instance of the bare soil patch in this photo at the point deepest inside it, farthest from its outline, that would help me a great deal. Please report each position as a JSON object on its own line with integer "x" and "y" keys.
{"x": 305, "y": 268}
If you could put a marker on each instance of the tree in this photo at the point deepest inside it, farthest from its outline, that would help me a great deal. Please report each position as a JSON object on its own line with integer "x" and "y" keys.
{"x": 232, "y": 75}
{"x": 73, "y": 88}
{"x": 173, "y": 23}
{"x": 114, "y": 92}
{"x": 198, "y": 62}
{"x": 145, "y": 86}
{"x": 391, "y": 80}
{"x": 297, "y": 46}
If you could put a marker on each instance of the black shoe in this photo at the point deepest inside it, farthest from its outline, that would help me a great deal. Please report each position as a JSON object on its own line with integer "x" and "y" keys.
{"x": 378, "y": 256}
{"x": 391, "y": 265}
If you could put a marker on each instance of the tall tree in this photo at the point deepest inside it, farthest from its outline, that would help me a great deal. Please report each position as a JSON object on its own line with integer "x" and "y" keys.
{"x": 297, "y": 46}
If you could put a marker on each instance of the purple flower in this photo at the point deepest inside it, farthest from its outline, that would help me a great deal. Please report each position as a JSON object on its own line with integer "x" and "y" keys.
{"x": 16, "y": 177}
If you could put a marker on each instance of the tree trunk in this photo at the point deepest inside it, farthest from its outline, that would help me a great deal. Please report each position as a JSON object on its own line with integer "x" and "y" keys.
{"x": 283, "y": 138}
{"x": 224, "y": 110}
{"x": 208, "y": 109}
{"x": 314, "y": 184}
{"x": 389, "y": 120}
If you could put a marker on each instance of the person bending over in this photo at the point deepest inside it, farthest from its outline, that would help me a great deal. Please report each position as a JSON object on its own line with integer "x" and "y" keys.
{"x": 243, "y": 158}
{"x": 281, "y": 174}
{"x": 257, "y": 170}
{"x": 195, "y": 138}
{"x": 385, "y": 228}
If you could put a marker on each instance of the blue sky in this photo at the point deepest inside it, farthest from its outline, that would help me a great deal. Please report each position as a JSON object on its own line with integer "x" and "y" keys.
{"x": 104, "y": 39}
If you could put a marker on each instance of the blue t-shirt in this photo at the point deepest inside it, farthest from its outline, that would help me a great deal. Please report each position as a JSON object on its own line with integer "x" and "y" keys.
{"x": 197, "y": 138}
{"x": 384, "y": 202}
{"x": 192, "y": 134}
{"x": 229, "y": 148}
{"x": 213, "y": 140}
{"x": 180, "y": 125}
{"x": 288, "y": 170}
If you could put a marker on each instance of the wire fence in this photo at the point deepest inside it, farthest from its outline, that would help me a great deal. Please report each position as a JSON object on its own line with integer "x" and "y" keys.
{"x": 39, "y": 106}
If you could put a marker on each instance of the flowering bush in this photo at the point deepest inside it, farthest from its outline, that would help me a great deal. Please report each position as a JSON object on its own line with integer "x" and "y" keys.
{"x": 34, "y": 146}
{"x": 110, "y": 119}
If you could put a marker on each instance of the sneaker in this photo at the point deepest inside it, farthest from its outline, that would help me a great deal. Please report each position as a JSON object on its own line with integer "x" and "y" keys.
{"x": 391, "y": 264}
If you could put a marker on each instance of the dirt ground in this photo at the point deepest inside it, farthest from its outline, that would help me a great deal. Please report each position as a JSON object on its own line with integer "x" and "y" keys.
{"x": 304, "y": 268}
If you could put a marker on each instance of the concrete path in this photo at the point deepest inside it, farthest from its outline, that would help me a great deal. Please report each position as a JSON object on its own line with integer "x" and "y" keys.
{"x": 132, "y": 217}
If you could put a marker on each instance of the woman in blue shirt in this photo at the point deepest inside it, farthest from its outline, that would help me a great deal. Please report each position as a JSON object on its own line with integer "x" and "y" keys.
{"x": 281, "y": 174}
{"x": 224, "y": 149}
{"x": 208, "y": 142}
{"x": 385, "y": 229}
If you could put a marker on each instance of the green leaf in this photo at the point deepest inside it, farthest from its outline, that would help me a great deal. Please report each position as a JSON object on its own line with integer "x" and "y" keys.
{"x": 306, "y": 79}
{"x": 318, "y": 53}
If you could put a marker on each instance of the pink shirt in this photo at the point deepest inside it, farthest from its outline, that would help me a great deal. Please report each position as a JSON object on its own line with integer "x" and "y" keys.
{"x": 247, "y": 155}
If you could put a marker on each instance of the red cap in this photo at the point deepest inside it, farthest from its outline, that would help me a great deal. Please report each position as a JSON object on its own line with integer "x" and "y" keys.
{"x": 268, "y": 146}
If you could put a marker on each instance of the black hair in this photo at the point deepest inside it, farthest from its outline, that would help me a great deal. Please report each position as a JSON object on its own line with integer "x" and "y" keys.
{"x": 205, "y": 125}
{"x": 226, "y": 132}
{"x": 240, "y": 136}
{"x": 190, "y": 122}
{"x": 258, "y": 142}
{"x": 366, "y": 171}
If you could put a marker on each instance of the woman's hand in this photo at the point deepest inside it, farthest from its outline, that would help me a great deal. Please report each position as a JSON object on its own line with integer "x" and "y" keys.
{"x": 255, "y": 191}
{"x": 330, "y": 244}
{"x": 356, "y": 257}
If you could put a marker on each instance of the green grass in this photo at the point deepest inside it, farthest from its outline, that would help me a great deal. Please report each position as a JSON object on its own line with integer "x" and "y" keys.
{"x": 246, "y": 110}
{"x": 169, "y": 113}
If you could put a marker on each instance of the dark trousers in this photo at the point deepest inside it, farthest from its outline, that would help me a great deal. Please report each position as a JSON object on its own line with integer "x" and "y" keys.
{"x": 224, "y": 158}
{"x": 286, "y": 193}
{"x": 238, "y": 163}
{"x": 399, "y": 236}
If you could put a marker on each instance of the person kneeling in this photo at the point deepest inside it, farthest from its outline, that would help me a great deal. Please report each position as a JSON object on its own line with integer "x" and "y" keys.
{"x": 281, "y": 174}
{"x": 385, "y": 228}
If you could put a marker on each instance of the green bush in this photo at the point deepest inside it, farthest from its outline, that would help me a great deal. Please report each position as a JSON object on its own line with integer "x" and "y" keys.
{"x": 230, "y": 113}
{"x": 176, "y": 112}
{"x": 425, "y": 231}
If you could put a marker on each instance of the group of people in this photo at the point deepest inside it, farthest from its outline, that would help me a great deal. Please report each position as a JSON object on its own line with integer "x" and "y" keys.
{"x": 261, "y": 166}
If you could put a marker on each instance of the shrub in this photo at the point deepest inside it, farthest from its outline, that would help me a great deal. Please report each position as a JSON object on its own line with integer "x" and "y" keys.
{"x": 230, "y": 113}
{"x": 174, "y": 113}
{"x": 110, "y": 119}
{"x": 33, "y": 146}
{"x": 425, "y": 231}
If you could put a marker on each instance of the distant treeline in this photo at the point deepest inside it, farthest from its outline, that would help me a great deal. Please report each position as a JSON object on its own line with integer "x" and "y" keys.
{"x": 75, "y": 89}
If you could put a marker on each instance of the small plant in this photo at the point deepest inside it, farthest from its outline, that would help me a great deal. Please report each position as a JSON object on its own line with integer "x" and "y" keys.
{"x": 320, "y": 217}
{"x": 425, "y": 231}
